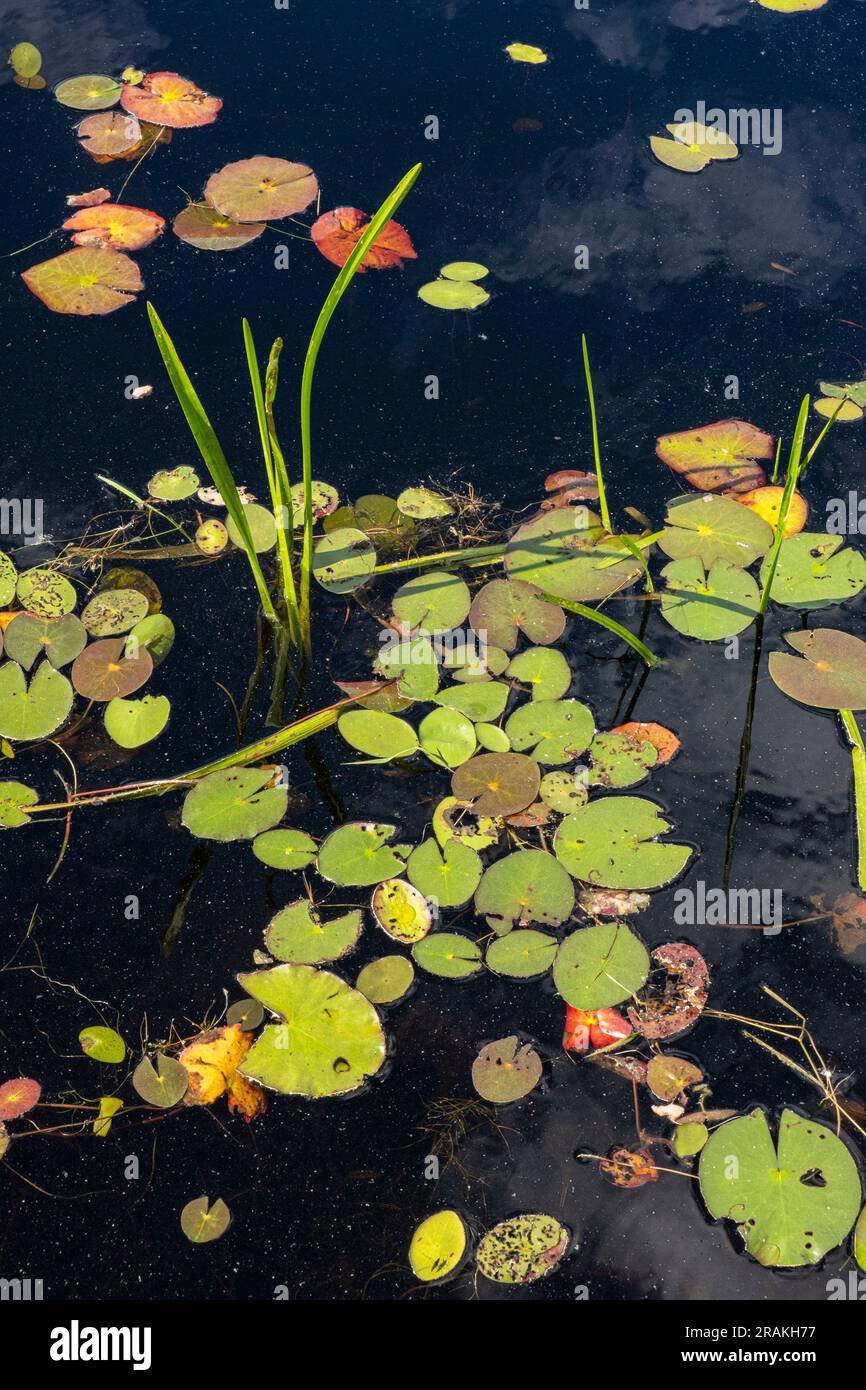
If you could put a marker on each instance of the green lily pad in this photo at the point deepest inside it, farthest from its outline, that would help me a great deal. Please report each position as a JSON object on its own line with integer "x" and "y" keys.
{"x": 523, "y": 887}
{"x": 357, "y": 855}
{"x": 401, "y": 911}
{"x": 816, "y": 570}
{"x": 432, "y": 602}
{"x": 468, "y": 665}
{"x": 522, "y": 954}
{"x": 246, "y": 1014}
{"x": 792, "y": 1201}
{"x": 453, "y": 294}
{"x": 421, "y": 504}
{"x": 505, "y": 608}
{"x": 25, "y": 60}
{"x": 564, "y": 791}
{"x": 378, "y": 517}
{"x": 103, "y": 671}
{"x": 690, "y": 1139}
{"x": 492, "y": 737}
{"x": 711, "y": 605}
{"x": 412, "y": 662}
{"x": 59, "y": 639}
{"x": 329, "y": 1040}
{"x": 46, "y": 593}
{"x": 619, "y": 761}
{"x": 14, "y": 796}
{"x": 599, "y": 966}
{"x": 546, "y": 671}
{"x": 484, "y": 701}
{"x": 860, "y": 1240}
{"x": 285, "y": 849}
{"x": 234, "y": 805}
{"x": 156, "y": 633}
{"x": 211, "y": 537}
{"x": 132, "y": 723}
{"x": 612, "y": 843}
{"x": 113, "y": 612}
{"x": 102, "y": 1044}
{"x": 325, "y": 500}
{"x": 504, "y": 1071}
{"x": 8, "y": 579}
{"x": 174, "y": 484}
{"x": 162, "y": 1081}
{"x": 343, "y": 560}
{"x": 522, "y": 1249}
{"x": 91, "y": 92}
{"x": 456, "y": 819}
{"x": 714, "y": 528}
{"x": 447, "y": 876}
{"x": 566, "y": 553}
{"x": 447, "y": 737}
{"x": 449, "y": 954}
{"x": 381, "y": 736}
{"x": 386, "y": 980}
{"x": 263, "y": 528}
{"x": 33, "y": 711}
{"x": 833, "y": 674}
{"x": 203, "y": 1221}
{"x": 438, "y": 1246}
{"x": 854, "y": 391}
{"x": 556, "y": 730}
{"x": 299, "y": 935}
{"x": 497, "y": 784}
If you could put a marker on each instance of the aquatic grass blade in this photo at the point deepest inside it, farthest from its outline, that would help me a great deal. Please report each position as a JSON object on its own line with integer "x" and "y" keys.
{"x": 795, "y": 467}
{"x": 595, "y": 616}
{"x": 602, "y": 497}
{"x": 858, "y": 760}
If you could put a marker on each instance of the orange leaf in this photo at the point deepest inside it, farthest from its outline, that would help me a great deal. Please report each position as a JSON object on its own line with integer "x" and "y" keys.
{"x": 167, "y": 99}
{"x": 211, "y": 1062}
{"x": 88, "y": 200}
{"x": 337, "y": 233}
{"x": 116, "y": 226}
{"x": 88, "y": 280}
{"x": 663, "y": 741}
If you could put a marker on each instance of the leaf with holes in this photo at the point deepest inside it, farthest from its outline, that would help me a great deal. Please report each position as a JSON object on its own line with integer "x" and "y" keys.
{"x": 613, "y": 843}
{"x": 557, "y": 731}
{"x": 357, "y": 855}
{"x": 599, "y": 966}
{"x": 522, "y": 1249}
{"x": 46, "y": 593}
{"x": 617, "y": 761}
{"x": 237, "y": 804}
{"x": 505, "y": 608}
{"x": 401, "y": 911}
{"x": 816, "y": 570}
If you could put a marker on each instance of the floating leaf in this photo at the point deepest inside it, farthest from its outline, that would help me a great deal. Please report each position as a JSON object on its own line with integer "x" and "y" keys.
{"x": 629, "y": 1167}
{"x": 714, "y": 528}
{"x": 13, "y": 797}
{"x": 298, "y": 934}
{"x": 401, "y": 911}
{"x": 556, "y": 730}
{"x": 336, "y": 234}
{"x": 453, "y": 294}
{"x": 234, "y": 805}
{"x": 386, "y": 980}
{"x": 262, "y": 526}
{"x": 380, "y": 736}
{"x": 246, "y": 1013}
{"x": 167, "y": 99}
{"x": 447, "y": 737}
{"x": 663, "y": 740}
{"x": 202, "y": 1221}
{"x": 860, "y": 1240}
{"x": 547, "y": 672}
{"x": 325, "y": 500}
{"x": 88, "y": 200}
{"x": 86, "y": 280}
{"x": 411, "y": 661}
{"x": 792, "y": 6}
{"x": 421, "y": 504}
{"x": 709, "y": 605}
{"x": 358, "y": 855}
{"x": 201, "y": 226}
{"x": 617, "y": 761}
{"x": 116, "y": 226}
{"x": 504, "y": 1071}
{"x": 26, "y": 60}
{"x": 261, "y": 189}
{"x": 18, "y": 1096}
{"x": 378, "y": 517}
{"x": 446, "y": 876}
{"x": 466, "y": 664}
{"x": 599, "y": 966}
{"x": 8, "y": 578}
{"x": 669, "y": 1076}
{"x": 109, "y": 135}
{"x": 833, "y": 674}
{"x": 612, "y": 843}
{"x": 522, "y": 954}
{"x": 102, "y": 1044}
{"x": 212, "y": 1061}
{"x": 767, "y": 503}
{"x": 343, "y": 560}
{"x": 690, "y": 1139}
{"x": 449, "y": 954}
{"x": 564, "y": 791}
{"x": 108, "y": 1108}
{"x": 566, "y": 553}
{"x": 456, "y": 819}
{"x": 492, "y": 737}
{"x": 464, "y": 270}
{"x": 525, "y": 53}
{"x": 34, "y": 711}
{"x": 693, "y": 147}
{"x": 285, "y": 849}
{"x": 211, "y": 537}
{"x": 497, "y": 784}
{"x": 671, "y": 1004}
{"x": 92, "y": 92}
{"x": 815, "y": 570}
{"x": 718, "y": 456}
{"x": 173, "y": 484}
{"x": 506, "y": 607}
{"x": 522, "y": 1249}
{"x": 793, "y": 1201}
{"x": 46, "y": 593}
{"x": 432, "y": 602}
{"x": 114, "y": 611}
{"x": 160, "y": 1081}
{"x": 612, "y": 902}
{"x": 438, "y": 1246}
{"x": 330, "y": 1039}
{"x": 523, "y": 887}
{"x": 132, "y": 723}
{"x": 104, "y": 672}
{"x": 60, "y": 640}
{"x": 484, "y": 702}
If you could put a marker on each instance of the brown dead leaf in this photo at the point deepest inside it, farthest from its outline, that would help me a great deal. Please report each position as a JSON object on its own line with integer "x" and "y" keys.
{"x": 211, "y": 1062}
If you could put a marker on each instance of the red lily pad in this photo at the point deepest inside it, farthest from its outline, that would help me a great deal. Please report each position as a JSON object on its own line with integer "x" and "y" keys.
{"x": 87, "y": 280}
{"x": 206, "y": 229}
{"x": 569, "y": 485}
{"x": 261, "y": 189}
{"x": 717, "y": 456}
{"x": 88, "y": 200}
{"x": 102, "y": 672}
{"x": 337, "y": 233}
{"x": 497, "y": 784}
{"x": 585, "y": 1028}
{"x": 117, "y": 226}
{"x": 18, "y": 1096}
{"x": 167, "y": 99}
{"x": 675, "y": 993}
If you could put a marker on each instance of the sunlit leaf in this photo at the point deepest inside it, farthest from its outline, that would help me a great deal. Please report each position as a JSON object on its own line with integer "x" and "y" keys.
{"x": 453, "y": 294}
{"x": 447, "y": 876}
{"x": 212, "y": 1061}
{"x": 58, "y": 639}
{"x": 46, "y": 593}
{"x": 447, "y": 737}
{"x": 285, "y": 849}
{"x": 25, "y": 60}
{"x": 102, "y": 1044}
{"x": 422, "y": 504}
{"x": 557, "y": 731}
{"x": 522, "y": 954}
{"x": 386, "y": 980}
{"x": 527, "y": 886}
{"x": 203, "y": 227}
{"x": 14, "y": 798}
{"x": 167, "y": 99}
{"x": 505, "y": 608}
{"x": 86, "y": 280}
{"x": 708, "y": 605}
{"x": 113, "y": 611}
{"x": 449, "y": 954}
{"x": 161, "y": 1080}
{"x": 525, "y": 53}
{"x": 613, "y": 843}
{"x": 767, "y": 501}
{"x": 832, "y": 674}
{"x": 504, "y": 1071}
{"x": 92, "y": 92}
{"x": 104, "y": 672}
{"x": 36, "y": 710}
{"x": 337, "y": 233}
{"x": 438, "y": 1246}
{"x": 815, "y": 570}
{"x": 261, "y": 189}
{"x": 234, "y": 805}
{"x": 343, "y": 560}
{"x": 522, "y": 1249}
{"x": 18, "y": 1096}
{"x": 299, "y": 934}
{"x": 600, "y": 965}
{"x": 716, "y": 456}
{"x": 497, "y": 784}
{"x": 202, "y": 1221}
{"x": 380, "y": 736}
{"x": 432, "y": 602}
{"x": 108, "y": 1108}
{"x": 714, "y": 528}
{"x": 545, "y": 671}
{"x": 117, "y": 226}
{"x": 358, "y": 855}
{"x": 132, "y": 723}
{"x": 401, "y": 911}
{"x": 109, "y": 135}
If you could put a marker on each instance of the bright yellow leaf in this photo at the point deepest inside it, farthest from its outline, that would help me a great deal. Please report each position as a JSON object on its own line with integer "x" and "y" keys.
{"x": 211, "y": 1062}
{"x": 526, "y": 53}
{"x": 688, "y": 159}
{"x": 707, "y": 139}
{"x": 826, "y": 406}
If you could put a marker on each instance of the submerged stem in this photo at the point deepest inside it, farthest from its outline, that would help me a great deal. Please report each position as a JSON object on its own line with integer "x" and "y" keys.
{"x": 858, "y": 760}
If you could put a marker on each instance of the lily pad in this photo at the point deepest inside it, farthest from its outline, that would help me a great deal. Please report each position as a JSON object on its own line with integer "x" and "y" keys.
{"x": 618, "y": 761}
{"x": 401, "y": 911}
{"x": 456, "y": 819}
{"x": 422, "y": 504}
{"x": 132, "y": 723}
{"x": 358, "y": 855}
{"x": 211, "y": 537}
{"x": 174, "y": 484}
{"x": 453, "y": 294}
{"x": 46, "y": 593}
{"x": 60, "y": 640}
{"x": 525, "y": 886}
{"x": 116, "y": 226}
{"x": 792, "y": 1201}
{"x": 815, "y": 570}
{"x": 522, "y": 1249}
{"x": 299, "y": 935}
{"x": 600, "y": 965}
{"x": 85, "y": 280}
{"x": 708, "y": 605}
{"x": 833, "y": 674}
{"x": 522, "y": 954}
{"x": 845, "y": 390}
{"x": 263, "y": 528}
{"x": 25, "y": 60}
{"x": 14, "y": 797}
{"x": 156, "y": 634}
{"x": 381, "y": 736}
{"x": 613, "y": 843}
{"x": 675, "y": 994}
{"x": 8, "y": 579}
{"x": 167, "y": 99}
{"x": 412, "y": 662}
{"x": 497, "y": 784}
{"x": 564, "y": 791}
{"x": 113, "y": 612}
{"x": 484, "y": 701}
{"x": 285, "y": 849}
{"x": 447, "y": 876}
{"x": 438, "y": 1246}
{"x": 343, "y": 560}
{"x": 206, "y": 229}
{"x": 18, "y": 1096}
{"x": 505, "y": 608}
{"x": 546, "y": 671}
{"x": 722, "y": 455}
{"x": 566, "y": 553}
{"x": 102, "y": 1044}
{"x": 203, "y": 1221}
{"x": 336, "y": 234}
{"x": 714, "y": 528}
{"x": 449, "y": 954}
{"x": 261, "y": 189}
{"x": 432, "y": 602}
{"x": 860, "y": 1240}
{"x": 91, "y": 92}
{"x": 668, "y": 1076}
{"x": 504, "y": 1071}
{"x": 109, "y": 135}
{"x": 557, "y": 731}
{"x": 690, "y": 1139}
{"x": 325, "y": 500}
{"x": 693, "y": 147}
{"x": 492, "y": 737}
{"x": 160, "y": 1081}
{"x": 386, "y": 980}
{"x": 104, "y": 672}
{"x": 330, "y": 1039}
{"x": 378, "y": 517}
{"x": 447, "y": 737}
{"x": 464, "y": 270}
{"x": 237, "y": 804}
{"x": 34, "y": 711}
{"x": 469, "y": 665}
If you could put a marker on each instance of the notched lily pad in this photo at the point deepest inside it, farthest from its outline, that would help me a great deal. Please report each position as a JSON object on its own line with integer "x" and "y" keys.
{"x": 832, "y": 674}
{"x": 60, "y": 640}
{"x": 816, "y": 570}
{"x": 432, "y": 602}
{"x": 497, "y": 784}
{"x": 600, "y": 965}
{"x": 557, "y": 731}
{"x": 522, "y": 1249}
{"x": 544, "y": 670}
{"x": 613, "y": 843}
{"x": 298, "y": 934}
{"x": 358, "y": 855}
{"x": 446, "y": 876}
{"x": 714, "y": 528}
{"x": 522, "y": 955}
{"x": 524, "y": 887}
{"x": 504, "y": 1071}
{"x": 36, "y": 710}
{"x": 237, "y": 804}
{"x": 174, "y": 484}
{"x": 449, "y": 954}
{"x": 343, "y": 560}
{"x": 285, "y": 849}
{"x": 15, "y": 797}
{"x": 506, "y": 607}
{"x": 709, "y": 605}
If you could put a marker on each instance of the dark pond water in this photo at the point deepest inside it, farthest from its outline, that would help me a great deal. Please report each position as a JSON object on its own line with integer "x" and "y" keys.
{"x": 325, "y": 1197}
